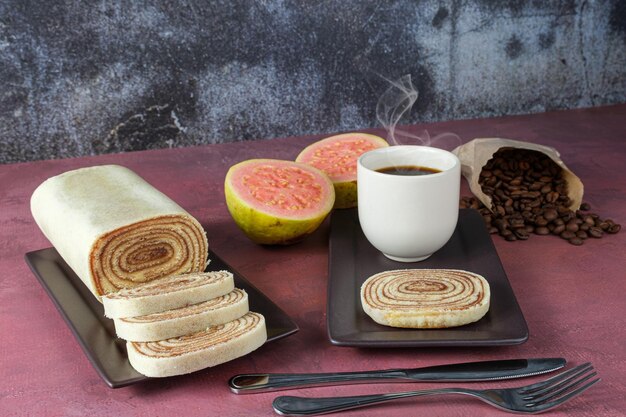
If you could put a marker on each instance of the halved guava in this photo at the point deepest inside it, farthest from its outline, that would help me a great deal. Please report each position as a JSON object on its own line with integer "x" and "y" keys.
{"x": 337, "y": 156}
{"x": 277, "y": 202}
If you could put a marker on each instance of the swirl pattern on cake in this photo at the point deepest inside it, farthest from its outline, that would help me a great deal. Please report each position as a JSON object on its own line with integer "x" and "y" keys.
{"x": 184, "y": 320}
{"x": 203, "y": 349}
{"x": 141, "y": 252}
{"x": 425, "y": 298}
{"x": 167, "y": 293}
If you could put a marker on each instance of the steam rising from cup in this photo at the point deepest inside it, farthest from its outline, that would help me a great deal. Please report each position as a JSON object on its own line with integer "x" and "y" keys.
{"x": 396, "y": 101}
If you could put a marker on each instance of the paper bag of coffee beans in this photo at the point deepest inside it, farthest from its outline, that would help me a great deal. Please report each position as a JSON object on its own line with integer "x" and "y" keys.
{"x": 522, "y": 188}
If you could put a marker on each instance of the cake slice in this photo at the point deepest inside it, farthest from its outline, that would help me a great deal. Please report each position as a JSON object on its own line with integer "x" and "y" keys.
{"x": 167, "y": 293}
{"x": 184, "y": 320}
{"x": 207, "y": 348}
{"x": 425, "y": 298}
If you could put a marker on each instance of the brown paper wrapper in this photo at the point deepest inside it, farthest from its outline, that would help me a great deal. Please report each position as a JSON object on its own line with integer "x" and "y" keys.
{"x": 475, "y": 154}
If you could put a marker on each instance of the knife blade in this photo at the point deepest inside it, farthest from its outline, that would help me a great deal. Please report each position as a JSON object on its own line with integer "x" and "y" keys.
{"x": 459, "y": 372}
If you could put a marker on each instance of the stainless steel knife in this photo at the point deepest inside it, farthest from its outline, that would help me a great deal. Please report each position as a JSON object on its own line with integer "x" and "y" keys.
{"x": 463, "y": 372}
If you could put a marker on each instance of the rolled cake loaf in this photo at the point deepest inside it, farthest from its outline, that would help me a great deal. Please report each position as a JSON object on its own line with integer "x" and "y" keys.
{"x": 185, "y": 320}
{"x": 167, "y": 293}
{"x": 115, "y": 230}
{"x": 210, "y": 347}
{"x": 425, "y": 298}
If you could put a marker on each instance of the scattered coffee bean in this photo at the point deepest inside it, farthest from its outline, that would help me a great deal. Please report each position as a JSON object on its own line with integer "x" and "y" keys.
{"x": 521, "y": 234}
{"x": 529, "y": 195}
{"x": 576, "y": 241}
{"x": 595, "y": 232}
{"x": 588, "y": 220}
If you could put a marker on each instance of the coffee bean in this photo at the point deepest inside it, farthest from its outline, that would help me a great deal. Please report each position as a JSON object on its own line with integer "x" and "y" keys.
{"x": 564, "y": 200}
{"x": 576, "y": 241}
{"x": 521, "y": 234}
{"x": 595, "y": 232}
{"x": 550, "y": 214}
{"x": 572, "y": 226}
{"x": 552, "y": 196}
{"x": 614, "y": 228}
{"x": 529, "y": 195}
{"x": 517, "y": 223}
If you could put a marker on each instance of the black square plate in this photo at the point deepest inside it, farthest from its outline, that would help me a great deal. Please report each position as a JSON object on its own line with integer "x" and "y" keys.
{"x": 84, "y": 314}
{"x": 352, "y": 259}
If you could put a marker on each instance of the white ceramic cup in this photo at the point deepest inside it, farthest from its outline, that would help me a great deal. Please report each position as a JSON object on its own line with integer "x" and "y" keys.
{"x": 408, "y": 218}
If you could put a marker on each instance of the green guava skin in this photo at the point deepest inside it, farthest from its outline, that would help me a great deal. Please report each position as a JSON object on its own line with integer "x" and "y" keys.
{"x": 345, "y": 194}
{"x": 267, "y": 229}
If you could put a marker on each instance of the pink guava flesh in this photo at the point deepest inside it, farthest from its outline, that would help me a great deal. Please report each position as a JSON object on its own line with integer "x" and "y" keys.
{"x": 282, "y": 188}
{"x": 337, "y": 155}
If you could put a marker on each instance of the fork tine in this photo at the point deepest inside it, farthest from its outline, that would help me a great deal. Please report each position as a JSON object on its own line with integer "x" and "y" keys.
{"x": 546, "y": 406}
{"x": 555, "y": 385}
{"x": 553, "y": 380}
{"x": 560, "y": 389}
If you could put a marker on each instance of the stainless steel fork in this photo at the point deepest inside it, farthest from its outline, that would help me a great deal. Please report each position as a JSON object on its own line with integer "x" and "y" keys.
{"x": 529, "y": 399}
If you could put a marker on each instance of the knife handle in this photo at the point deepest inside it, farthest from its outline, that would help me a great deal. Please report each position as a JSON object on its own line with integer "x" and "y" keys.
{"x": 253, "y": 383}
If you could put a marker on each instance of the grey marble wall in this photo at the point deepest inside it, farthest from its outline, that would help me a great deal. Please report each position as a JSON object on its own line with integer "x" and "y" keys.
{"x": 84, "y": 77}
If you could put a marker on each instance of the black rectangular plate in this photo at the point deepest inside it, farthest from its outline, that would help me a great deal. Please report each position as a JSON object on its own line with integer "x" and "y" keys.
{"x": 352, "y": 259}
{"x": 84, "y": 314}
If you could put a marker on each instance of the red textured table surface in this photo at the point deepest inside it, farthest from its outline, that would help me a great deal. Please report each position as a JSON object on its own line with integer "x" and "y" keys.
{"x": 573, "y": 298}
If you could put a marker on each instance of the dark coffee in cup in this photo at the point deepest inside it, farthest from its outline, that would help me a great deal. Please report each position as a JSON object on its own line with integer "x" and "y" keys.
{"x": 408, "y": 170}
